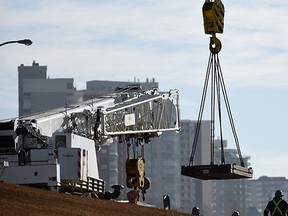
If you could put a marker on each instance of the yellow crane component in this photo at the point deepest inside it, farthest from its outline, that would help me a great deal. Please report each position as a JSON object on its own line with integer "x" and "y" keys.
{"x": 135, "y": 174}
{"x": 213, "y": 16}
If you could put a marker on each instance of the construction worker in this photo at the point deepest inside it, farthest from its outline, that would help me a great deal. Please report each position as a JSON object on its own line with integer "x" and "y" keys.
{"x": 277, "y": 206}
{"x": 195, "y": 211}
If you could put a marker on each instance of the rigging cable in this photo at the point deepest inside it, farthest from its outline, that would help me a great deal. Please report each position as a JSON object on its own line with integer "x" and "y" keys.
{"x": 200, "y": 114}
{"x": 229, "y": 113}
{"x": 217, "y": 84}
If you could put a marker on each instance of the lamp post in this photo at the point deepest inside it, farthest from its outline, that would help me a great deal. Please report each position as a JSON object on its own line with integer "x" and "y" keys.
{"x": 26, "y": 42}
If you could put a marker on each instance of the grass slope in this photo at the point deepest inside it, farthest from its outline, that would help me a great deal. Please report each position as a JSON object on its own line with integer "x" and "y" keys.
{"x": 20, "y": 200}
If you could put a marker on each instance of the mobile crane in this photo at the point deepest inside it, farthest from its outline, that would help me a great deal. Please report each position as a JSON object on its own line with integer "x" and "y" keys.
{"x": 57, "y": 148}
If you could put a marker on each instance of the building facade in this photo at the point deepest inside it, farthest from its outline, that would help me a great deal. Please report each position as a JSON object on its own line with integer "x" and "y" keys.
{"x": 37, "y": 93}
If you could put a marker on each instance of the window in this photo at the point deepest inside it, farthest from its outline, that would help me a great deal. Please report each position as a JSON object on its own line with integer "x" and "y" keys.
{"x": 27, "y": 104}
{"x": 69, "y": 85}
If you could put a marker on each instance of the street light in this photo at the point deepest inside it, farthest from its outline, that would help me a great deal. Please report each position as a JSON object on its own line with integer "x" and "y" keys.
{"x": 26, "y": 42}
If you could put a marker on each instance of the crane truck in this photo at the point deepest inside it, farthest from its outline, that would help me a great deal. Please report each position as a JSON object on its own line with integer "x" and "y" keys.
{"x": 57, "y": 149}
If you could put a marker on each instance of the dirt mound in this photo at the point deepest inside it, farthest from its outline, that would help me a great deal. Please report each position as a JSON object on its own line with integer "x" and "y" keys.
{"x": 21, "y": 200}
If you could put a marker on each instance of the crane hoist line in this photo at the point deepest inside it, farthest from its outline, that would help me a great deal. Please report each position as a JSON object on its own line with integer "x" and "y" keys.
{"x": 213, "y": 16}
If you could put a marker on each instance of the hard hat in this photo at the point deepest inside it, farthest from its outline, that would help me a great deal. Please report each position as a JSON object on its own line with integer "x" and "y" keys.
{"x": 196, "y": 210}
{"x": 278, "y": 193}
{"x": 235, "y": 213}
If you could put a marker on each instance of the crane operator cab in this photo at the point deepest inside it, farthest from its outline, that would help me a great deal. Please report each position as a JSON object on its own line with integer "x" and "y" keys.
{"x": 213, "y": 17}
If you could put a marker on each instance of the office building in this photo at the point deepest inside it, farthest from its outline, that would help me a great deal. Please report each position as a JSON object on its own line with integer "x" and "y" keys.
{"x": 37, "y": 93}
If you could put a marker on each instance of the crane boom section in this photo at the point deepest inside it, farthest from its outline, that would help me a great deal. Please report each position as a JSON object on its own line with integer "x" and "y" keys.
{"x": 50, "y": 121}
{"x": 148, "y": 114}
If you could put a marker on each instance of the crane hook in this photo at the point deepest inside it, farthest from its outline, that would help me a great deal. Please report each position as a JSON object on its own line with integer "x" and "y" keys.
{"x": 213, "y": 17}
{"x": 215, "y": 44}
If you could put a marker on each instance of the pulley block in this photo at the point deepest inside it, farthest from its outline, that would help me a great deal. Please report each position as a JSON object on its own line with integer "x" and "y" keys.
{"x": 213, "y": 16}
{"x": 215, "y": 45}
{"x": 135, "y": 174}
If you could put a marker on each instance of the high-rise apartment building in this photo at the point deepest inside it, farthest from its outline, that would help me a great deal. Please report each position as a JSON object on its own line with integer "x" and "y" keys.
{"x": 37, "y": 93}
{"x": 28, "y": 72}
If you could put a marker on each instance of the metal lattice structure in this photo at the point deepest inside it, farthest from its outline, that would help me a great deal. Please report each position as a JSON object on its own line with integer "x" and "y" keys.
{"x": 147, "y": 114}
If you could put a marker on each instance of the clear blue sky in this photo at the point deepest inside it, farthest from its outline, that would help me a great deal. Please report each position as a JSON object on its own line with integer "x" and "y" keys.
{"x": 165, "y": 40}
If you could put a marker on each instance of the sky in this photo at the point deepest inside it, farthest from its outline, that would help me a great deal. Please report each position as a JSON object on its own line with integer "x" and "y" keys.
{"x": 123, "y": 40}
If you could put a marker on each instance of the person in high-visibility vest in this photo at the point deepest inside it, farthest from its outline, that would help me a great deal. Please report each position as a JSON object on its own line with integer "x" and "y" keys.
{"x": 277, "y": 206}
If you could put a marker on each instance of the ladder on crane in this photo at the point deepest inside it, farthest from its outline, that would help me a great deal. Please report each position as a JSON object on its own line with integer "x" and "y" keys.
{"x": 213, "y": 15}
